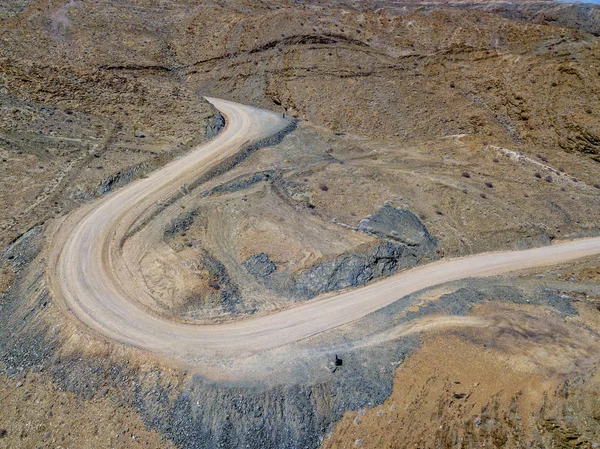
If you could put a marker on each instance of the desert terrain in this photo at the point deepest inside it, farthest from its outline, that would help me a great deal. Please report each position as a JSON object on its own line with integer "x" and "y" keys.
{"x": 299, "y": 224}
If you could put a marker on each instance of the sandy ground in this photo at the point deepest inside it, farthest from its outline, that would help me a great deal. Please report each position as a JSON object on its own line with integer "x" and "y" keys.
{"x": 501, "y": 385}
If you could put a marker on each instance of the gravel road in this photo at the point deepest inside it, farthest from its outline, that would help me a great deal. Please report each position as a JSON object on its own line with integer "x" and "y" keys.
{"x": 97, "y": 283}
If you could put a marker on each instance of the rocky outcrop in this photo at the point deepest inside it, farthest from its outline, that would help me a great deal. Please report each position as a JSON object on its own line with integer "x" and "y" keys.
{"x": 243, "y": 182}
{"x": 260, "y": 266}
{"x": 245, "y": 152}
{"x": 179, "y": 224}
{"x": 121, "y": 179}
{"x": 399, "y": 225}
{"x": 24, "y": 248}
{"x": 404, "y": 243}
{"x": 353, "y": 269}
{"x": 214, "y": 125}
{"x": 229, "y": 298}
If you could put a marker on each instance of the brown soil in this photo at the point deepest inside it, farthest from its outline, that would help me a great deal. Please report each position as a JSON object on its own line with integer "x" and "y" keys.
{"x": 96, "y": 94}
{"x": 36, "y": 415}
{"x": 506, "y": 385}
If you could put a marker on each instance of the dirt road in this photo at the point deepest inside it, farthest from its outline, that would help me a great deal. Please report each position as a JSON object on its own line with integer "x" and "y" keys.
{"x": 87, "y": 271}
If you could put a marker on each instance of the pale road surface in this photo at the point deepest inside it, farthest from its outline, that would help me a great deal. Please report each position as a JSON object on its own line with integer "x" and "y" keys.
{"x": 86, "y": 272}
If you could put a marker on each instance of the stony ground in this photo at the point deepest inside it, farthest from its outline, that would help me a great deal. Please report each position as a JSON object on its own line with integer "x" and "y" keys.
{"x": 299, "y": 211}
{"x": 425, "y": 131}
{"x": 459, "y": 388}
{"x": 40, "y": 416}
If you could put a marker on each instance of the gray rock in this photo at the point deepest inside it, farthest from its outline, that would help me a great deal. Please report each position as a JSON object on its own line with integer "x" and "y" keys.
{"x": 561, "y": 302}
{"x": 259, "y": 265}
{"x": 120, "y": 179}
{"x": 349, "y": 270}
{"x": 228, "y": 293}
{"x": 459, "y": 302}
{"x": 243, "y": 182}
{"x": 215, "y": 125}
{"x": 180, "y": 224}
{"x": 397, "y": 224}
{"x": 358, "y": 268}
{"x": 240, "y": 156}
{"x": 24, "y": 248}
{"x": 405, "y": 243}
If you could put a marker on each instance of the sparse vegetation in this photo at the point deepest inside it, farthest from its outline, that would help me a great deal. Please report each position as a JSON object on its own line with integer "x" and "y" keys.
{"x": 413, "y": 136}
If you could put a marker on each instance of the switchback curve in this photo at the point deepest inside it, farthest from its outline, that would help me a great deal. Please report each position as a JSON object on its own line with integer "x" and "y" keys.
{"x": 87, "y": 274}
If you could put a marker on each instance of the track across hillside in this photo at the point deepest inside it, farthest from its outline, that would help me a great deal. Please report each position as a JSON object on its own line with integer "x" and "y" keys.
{"x": 88, "y": 274}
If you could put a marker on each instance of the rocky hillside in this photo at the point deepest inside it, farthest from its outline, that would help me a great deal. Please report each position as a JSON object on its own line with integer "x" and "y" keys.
{"x": 496, "y": 71}
{"x": 425, "y": 130}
